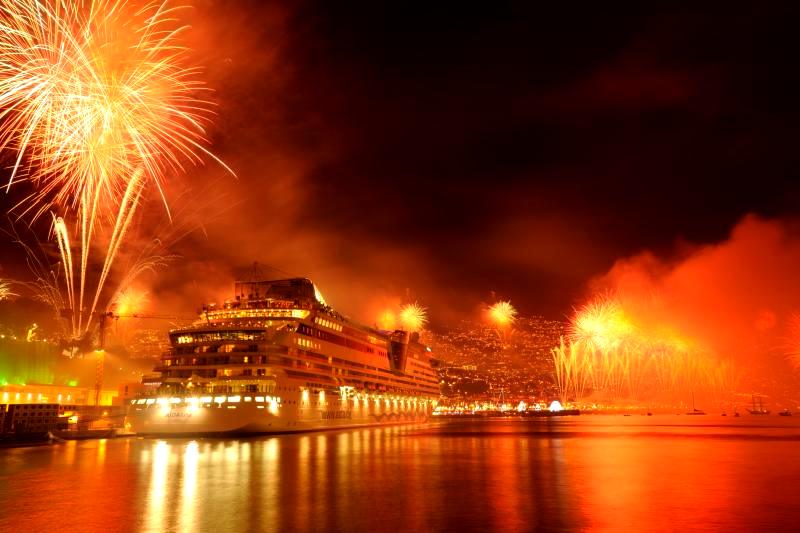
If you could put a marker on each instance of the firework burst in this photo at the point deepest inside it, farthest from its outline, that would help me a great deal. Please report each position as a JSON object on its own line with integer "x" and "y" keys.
{"x": 413, "y": 317}
{"x": 94, "y": 93}
{"x": 502, "y": 314}
{"x": 130, "y": 302}
{"x": 97, "y": 103}
{"x": 601, "y": 323}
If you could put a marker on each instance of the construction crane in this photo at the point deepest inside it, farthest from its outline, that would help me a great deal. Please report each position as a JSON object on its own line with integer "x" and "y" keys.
{"x": 100, "y": 353}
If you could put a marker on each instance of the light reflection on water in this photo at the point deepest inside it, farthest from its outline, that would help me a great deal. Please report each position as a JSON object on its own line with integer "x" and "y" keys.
{"x": 600, "y": 473}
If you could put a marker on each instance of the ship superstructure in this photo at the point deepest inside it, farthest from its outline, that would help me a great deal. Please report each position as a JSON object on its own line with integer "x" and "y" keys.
{"x": 277, "y": 358}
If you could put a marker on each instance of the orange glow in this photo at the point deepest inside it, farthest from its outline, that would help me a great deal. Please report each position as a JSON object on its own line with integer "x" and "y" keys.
{"x": 387, "y": 319}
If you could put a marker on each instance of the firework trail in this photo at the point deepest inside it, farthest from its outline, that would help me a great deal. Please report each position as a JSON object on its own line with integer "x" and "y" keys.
{"x": 5, "y": 290}
{"x": 413, "y": 317}
{"x": 793, "y": 341}
{"x": 97, "y": 103}
{"x": 49, "y": 287}
{"x": 45, "y": 286}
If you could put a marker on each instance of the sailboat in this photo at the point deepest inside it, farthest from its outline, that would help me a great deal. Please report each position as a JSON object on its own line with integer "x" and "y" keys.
{"x": 760, "y": 410}
{"x": 695, "y": 411}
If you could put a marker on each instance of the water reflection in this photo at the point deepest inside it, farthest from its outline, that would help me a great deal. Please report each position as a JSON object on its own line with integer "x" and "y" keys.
{"x": 154, "y": 506}
{"x": 601, "y": 474}
{"x": 191, "y": 457}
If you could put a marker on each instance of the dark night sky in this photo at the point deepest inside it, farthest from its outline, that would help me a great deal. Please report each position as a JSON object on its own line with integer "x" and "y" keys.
{"x": 517, "y": 147}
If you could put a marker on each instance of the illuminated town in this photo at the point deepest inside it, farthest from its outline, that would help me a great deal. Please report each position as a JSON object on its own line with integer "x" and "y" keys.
{"x": 510, "y": 267}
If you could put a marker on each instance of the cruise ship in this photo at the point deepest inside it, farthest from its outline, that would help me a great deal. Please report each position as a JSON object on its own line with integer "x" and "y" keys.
{"x": 276, "y": 358}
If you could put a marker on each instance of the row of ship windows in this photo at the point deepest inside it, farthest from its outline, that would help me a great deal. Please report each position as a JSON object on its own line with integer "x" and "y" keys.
{"x": 371, "y": 384}
{"x": 261, "y": 372}
{"x": 219, "y": 348}
{"x": 256, "y": 313}
{"x": 246, "y": 359}
{"x": 344, "y": 362}
{"x": 346, "y": 372}
{"x": 212, "y": 336}
{"x": 226, "y": 348}
{"x": 304, "y": 329}
{"x": 214, "y": 373}
{"x": 306, "y": 343}
{"x": 264, "y": 359}
{"x": 371, "y": 339}
{"x": 327, "y": 323}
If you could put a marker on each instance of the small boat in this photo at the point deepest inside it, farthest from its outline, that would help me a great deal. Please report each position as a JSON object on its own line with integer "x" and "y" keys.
{"x": 785, "y": 412}
{"x": 695, "y": 411}
{"x": 758, "y": 411}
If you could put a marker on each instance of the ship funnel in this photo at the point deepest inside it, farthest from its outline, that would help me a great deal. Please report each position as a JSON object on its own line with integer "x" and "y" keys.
{"x": 398, "y": 350}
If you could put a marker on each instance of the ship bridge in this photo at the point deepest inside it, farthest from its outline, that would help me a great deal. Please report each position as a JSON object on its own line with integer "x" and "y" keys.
{"x": 299, "y": 290}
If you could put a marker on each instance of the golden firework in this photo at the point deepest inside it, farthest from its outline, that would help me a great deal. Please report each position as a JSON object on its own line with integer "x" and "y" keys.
{"x": 502, "y": 314}
{"x": 97, "y": 102}
{"x": 601, "y": 323}
{"x": 93, "y": 92}
{"x": 413, "y": 317}
{"x": 130, "y": 301}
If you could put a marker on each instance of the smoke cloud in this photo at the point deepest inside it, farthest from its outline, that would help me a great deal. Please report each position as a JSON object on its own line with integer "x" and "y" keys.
{"x": 736, "y": 298}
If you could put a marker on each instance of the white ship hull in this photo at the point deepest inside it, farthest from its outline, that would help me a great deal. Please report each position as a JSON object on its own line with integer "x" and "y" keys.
{"x": 170, "y": 418}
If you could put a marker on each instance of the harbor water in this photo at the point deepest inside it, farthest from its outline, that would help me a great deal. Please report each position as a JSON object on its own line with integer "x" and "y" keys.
{"x": 606, "y": 473}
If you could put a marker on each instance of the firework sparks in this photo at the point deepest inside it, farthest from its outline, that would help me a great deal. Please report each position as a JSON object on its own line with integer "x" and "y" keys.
{"x": 97, "y": 104}
{"x": 793, "y": 341}
{"x": 93, "y": 92}
{"x": 130, "y": 301}
{"x": 608, "y": 353}
{"x": 5, "y": 290}
{"x": 601, "y": 323}
{"x": 502, "y": 314}
{"x": 413, "y": 317}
